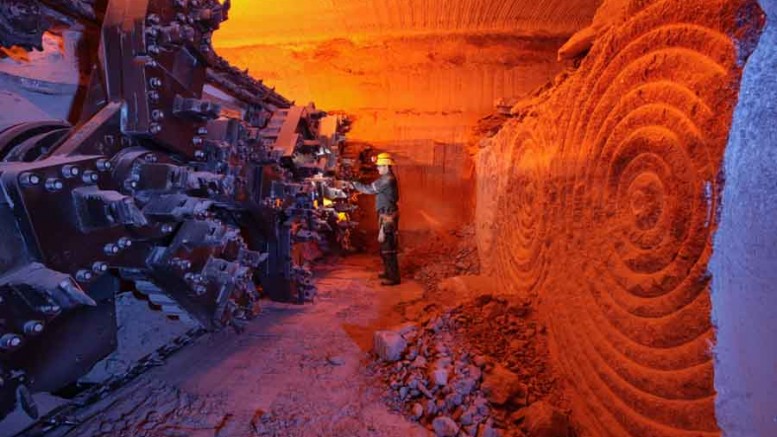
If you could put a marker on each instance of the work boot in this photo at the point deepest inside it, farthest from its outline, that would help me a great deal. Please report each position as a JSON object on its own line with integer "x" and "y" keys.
{"x": 389, "y": 282}
{"x": 382, "y": 276}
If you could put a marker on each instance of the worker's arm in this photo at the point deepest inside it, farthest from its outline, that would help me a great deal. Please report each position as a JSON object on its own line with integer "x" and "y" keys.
{"x": 373, "y": 188}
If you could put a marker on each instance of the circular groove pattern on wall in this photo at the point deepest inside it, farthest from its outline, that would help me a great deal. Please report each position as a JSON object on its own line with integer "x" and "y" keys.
{"x": 620, "y": 167}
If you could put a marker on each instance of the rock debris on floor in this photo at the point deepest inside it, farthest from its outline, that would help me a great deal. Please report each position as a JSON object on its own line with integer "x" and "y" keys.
{"x": 442, "y": 255}
{"x": 363, "y": 360}
{"x": 478, "y": 370}
{"x": 295, "y": 371}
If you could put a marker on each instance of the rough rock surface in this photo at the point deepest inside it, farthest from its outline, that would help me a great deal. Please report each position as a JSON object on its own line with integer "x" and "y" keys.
{"x": 444, "y": 426}
{"x": 542, "y": 420}
{"x": 441, "y": 256}
{"x": 609, "y": 14}
{"x": 597, "y": 200}
{"x": 743, "y": 264}
{"x": 389, "y": 345}
{"x": 500, "y": 385}
{"x": 474, "y": 366}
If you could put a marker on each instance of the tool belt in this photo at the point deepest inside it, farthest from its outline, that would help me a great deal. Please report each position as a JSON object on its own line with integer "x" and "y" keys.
{"x": 387, "y": 222}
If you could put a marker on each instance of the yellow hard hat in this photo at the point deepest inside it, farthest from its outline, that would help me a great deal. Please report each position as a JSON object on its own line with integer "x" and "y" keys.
{"x": 384, "y": 159}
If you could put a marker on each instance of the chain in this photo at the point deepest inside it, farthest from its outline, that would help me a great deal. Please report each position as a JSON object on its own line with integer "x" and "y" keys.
{"x": 63, "y": 419}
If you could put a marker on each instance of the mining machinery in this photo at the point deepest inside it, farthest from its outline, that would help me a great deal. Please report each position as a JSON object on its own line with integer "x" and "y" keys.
{"x": 132, "y": 155}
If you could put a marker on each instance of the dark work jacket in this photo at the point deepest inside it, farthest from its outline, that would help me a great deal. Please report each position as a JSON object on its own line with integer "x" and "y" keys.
{"x": 385, "y": 189}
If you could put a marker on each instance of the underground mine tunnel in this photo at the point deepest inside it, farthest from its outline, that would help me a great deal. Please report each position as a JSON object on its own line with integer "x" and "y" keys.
{"x": 572, "y": 204}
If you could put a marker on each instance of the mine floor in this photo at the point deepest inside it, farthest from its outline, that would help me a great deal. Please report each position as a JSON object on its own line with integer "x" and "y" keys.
{"x": 295, "y": 371}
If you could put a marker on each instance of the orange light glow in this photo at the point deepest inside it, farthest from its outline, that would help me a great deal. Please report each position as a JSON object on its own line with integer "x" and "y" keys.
{"x": 421, "y": 70}
{"x": 277, "y": 22}
{"x": 415, "y": 76}
{"x": 18, "y": 54}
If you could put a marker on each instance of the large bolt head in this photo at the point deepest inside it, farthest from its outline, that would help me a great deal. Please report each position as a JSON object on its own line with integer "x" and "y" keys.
{"x": 111, "y": 249}
{"x": 54, "y": 184}
{"x": 33, "y": 327}
{"x": 84, "y": 275}
{"x": 99, "y": 267}
{"x": 104, "y": 165}
{"x": 29, "y": 179}
{"x": 70, "y": 171}
{"x": 90, "y": 177}
{"x": 50, "y": 310}
{"x": 10, "y": 341}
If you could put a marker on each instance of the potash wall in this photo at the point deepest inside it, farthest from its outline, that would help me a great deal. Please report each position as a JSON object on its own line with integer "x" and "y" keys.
{"x": 599, "y": 198}
{"x": 415, "y": 75}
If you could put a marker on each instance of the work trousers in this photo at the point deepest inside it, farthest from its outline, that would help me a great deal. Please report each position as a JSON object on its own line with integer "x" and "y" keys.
{"x": 389, "y": 223}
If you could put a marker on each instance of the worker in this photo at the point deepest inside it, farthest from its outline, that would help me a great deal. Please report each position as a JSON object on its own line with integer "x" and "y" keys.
{"x": 386, "y": 190}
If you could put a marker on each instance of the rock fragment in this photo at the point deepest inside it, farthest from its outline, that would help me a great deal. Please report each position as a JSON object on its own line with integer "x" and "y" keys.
{"x": 417, "y": 411}
{"x": 462, "y": 371}
{"x": 500, "y": 385}
{"x": 439, "y": 377}
{"x": 487, "y": 430}
{"x": 468, "y": 417}
{"x": 422, "y": 388}
{"x": 541, "y": 419}
{"x": 406, "y": 329}
{"x": 336, "y": 360}
{"x": 464, "y": 386}
{"x": 418, "y": 363}
{"x": 431, "y": 407}
{"x": 444, "y": 426}
{"x": 389, "y": 345}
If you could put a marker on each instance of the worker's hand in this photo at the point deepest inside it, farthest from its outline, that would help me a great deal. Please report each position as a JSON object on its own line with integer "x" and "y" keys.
{"x": 348, "y": 185}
